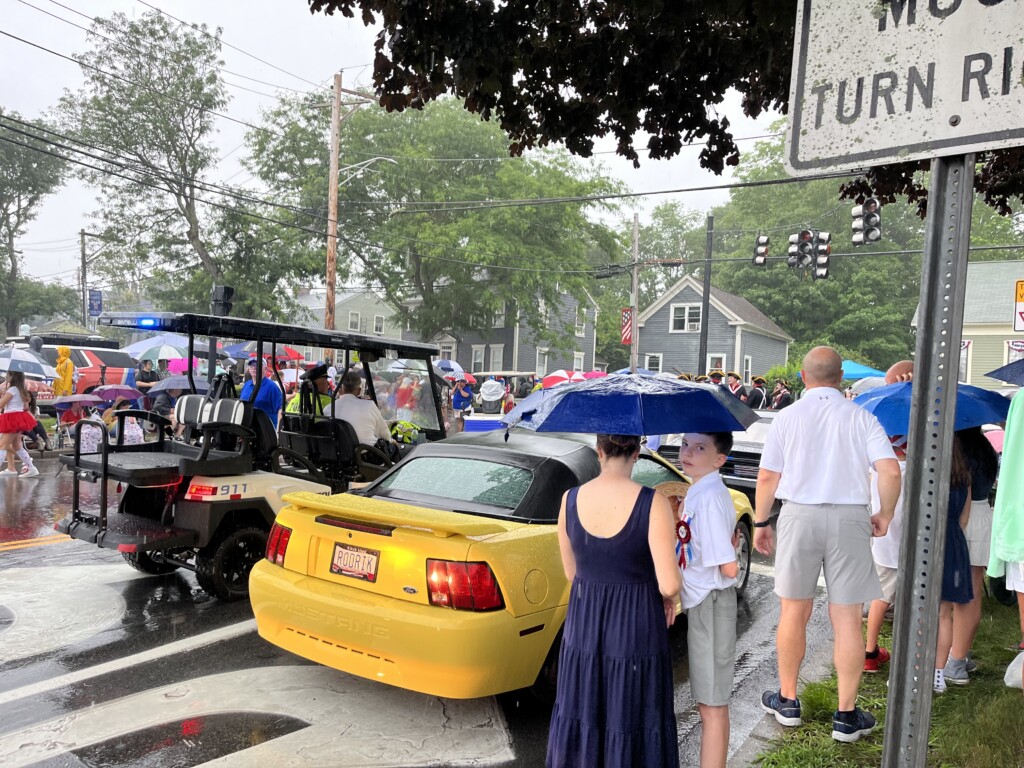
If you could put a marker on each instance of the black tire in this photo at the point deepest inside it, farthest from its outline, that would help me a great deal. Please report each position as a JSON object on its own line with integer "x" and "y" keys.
{"x": 223, "y": 565}
{"x": 744, "y": 551}
{"x": 144, "y": 562}
{"x": 546, "y": 684}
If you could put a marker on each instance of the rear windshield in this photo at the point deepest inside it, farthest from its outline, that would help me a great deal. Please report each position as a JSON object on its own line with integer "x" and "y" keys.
{"x": 471, "y": 480}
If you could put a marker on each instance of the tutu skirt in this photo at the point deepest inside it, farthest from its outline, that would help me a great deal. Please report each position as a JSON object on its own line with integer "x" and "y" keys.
{"x": 16, "y": 421}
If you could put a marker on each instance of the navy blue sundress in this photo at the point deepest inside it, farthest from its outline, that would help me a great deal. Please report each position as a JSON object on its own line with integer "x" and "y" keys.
{"x": 614, "y": 707}
{"x": 956, "y": 570}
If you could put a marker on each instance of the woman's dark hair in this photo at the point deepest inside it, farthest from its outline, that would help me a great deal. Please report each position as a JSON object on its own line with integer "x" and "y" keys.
{"x": 16, "y": 379}
{"x": 982, "y": 458}
{"x": 615, "y": 446}
{"x": 959, "y": 470}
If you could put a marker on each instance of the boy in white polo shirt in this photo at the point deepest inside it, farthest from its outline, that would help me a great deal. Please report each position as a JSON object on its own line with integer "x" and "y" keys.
{"x": 708, "y": 559}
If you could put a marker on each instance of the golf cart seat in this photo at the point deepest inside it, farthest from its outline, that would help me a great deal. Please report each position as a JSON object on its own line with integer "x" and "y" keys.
{"x": 227, "y": 436}
{"x": 369, "y": 461}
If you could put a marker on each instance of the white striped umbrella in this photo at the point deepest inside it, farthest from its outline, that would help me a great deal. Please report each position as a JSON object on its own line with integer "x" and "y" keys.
{"x": 26, "y": 361}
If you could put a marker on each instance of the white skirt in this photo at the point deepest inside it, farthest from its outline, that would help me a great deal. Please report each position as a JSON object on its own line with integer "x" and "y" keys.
{"x": 979, "y": 532}
{"x": 1015, "y": 577}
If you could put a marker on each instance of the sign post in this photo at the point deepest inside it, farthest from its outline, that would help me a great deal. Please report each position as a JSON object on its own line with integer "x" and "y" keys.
{"x": 891, "y": 82}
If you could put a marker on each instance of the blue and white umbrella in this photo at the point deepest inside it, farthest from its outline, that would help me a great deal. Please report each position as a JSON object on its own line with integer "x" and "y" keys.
{"x": 26, "y": 361}
{"x": 631, "y": 405}
{"x": 449, "y": 366}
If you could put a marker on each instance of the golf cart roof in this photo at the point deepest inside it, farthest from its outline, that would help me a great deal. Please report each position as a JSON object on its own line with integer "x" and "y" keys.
{"x": 262, "y": 330}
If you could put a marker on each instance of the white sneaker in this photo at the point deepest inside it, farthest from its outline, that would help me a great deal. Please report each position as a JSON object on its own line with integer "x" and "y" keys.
{"x": 940, "y": 681}
{"x": 9, "y": 472}
{"x": 29, "y": 472}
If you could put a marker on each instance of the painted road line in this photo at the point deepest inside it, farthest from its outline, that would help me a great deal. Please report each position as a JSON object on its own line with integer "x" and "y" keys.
{"x": 352, "y": 722}
{"x": 169, "y": 649}
{"x": 35, "y": 538}
{"x": 37, "y": 543}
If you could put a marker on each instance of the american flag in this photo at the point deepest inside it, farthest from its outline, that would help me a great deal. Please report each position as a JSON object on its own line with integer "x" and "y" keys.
{"x": 627, "y": 325}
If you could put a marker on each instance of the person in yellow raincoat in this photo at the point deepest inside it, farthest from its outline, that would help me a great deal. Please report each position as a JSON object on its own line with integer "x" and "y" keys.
{"x": 63, "y": 384}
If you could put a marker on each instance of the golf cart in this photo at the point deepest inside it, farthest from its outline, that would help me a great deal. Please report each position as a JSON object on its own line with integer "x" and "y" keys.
{"x": 206, "y": 502}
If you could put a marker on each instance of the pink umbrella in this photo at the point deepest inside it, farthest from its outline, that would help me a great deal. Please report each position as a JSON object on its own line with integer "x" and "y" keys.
{"x": 595, "y": 374}
{"x": 995, "y": 436}
{"x": 181, "y": 365}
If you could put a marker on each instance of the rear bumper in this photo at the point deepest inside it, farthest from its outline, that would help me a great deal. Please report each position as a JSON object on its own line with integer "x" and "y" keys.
{"x": 424, "y": 648}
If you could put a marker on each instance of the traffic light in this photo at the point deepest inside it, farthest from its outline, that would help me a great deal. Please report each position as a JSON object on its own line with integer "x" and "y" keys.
{"x": 761, "y": 251}
{"x": 822, "y": 249}
{"x": 867, "y": 222}
{"x": 805, "y": 247}
{"x": 220, "y": 300}
{"x": 793, "y": 259}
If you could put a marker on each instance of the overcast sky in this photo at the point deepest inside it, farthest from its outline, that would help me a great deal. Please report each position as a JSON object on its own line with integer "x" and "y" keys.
{"x": 285, "y": 35}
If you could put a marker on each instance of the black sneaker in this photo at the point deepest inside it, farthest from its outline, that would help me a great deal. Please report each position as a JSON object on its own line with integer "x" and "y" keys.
{"x": 786, "y": 712}
{"x": 849, "y": 727}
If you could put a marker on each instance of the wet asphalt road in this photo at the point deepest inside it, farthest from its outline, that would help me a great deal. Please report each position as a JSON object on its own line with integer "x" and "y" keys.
{"x": 102, "y": 666}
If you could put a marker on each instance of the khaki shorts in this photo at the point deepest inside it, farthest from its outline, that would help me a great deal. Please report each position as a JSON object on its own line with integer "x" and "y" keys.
{"x": 979, "y": 532}
{"x": 836, "y": 536}
{"x": 711, "y": 647}
{"x": 887, "y": 577}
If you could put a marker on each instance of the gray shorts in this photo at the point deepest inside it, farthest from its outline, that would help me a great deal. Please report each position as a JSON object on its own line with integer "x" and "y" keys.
{"x": 711, "y": 647}
{"x": 836, "y": 536}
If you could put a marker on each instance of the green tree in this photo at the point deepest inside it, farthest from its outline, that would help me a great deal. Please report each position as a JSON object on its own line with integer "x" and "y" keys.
{"x": 151, "y": 89}
{"x": 27, "y": 175}
{"x": 446, "y": 265}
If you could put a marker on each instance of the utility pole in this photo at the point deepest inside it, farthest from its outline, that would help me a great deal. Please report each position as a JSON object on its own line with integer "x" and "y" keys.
{"x": 634, "y": 296}
{"x": 705, "y": 301}
{"x": 85, "y": 296}
{"x": 332, "y": 205}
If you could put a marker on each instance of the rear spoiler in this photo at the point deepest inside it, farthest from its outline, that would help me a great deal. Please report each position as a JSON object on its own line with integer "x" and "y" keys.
{"x": 440, "y": 523}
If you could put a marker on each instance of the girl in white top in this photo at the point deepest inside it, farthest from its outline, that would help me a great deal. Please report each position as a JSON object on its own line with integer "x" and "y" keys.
{"x": 15, "y": 419}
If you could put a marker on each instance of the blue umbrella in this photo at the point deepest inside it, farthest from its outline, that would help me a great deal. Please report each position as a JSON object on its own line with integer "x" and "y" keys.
{"x": 626, "y": 371}
{"x": 974, "y": 406}
{"x": 1012, "y": 373}
{"x": 631, "y": 405}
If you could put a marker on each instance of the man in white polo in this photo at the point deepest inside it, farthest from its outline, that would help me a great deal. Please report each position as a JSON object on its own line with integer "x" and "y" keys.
{"x": 816, "y": 459}
{"x": 364, "y": 415}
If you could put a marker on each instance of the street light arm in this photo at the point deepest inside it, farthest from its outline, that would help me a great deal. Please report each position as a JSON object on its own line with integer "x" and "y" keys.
{"x": 358, "y": 168}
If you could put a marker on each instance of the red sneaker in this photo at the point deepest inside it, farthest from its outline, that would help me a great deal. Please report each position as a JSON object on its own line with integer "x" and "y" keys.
{"x": 872, "y": 665}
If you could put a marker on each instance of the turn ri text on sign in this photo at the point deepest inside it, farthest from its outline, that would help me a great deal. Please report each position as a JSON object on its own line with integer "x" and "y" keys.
{"x": 897, "y": 80}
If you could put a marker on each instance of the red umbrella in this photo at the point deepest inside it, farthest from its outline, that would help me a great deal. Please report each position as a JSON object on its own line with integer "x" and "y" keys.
{"x": 469, "y": 377}
{"x": 561, "y": 377}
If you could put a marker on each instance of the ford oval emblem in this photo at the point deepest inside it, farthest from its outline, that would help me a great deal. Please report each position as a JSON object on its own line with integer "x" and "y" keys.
{"x": 410, "y": 590}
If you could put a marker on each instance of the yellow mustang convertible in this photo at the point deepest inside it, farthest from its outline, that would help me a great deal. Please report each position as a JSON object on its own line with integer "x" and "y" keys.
{"x": 443, "y": 576}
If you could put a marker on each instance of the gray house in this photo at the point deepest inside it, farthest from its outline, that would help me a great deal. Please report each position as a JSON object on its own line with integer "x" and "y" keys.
{"x": 740, "y": 337}
{"x": 357, "y": 311}
{"x": 511, "y": 345}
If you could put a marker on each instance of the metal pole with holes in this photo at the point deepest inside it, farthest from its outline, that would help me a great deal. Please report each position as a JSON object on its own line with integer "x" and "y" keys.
{"x": 930, "y": 441}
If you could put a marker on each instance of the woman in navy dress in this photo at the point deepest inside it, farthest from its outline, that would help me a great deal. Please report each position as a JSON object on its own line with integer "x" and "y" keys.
{"x": 614, "y": 706}
{"x": 956, "y": 570}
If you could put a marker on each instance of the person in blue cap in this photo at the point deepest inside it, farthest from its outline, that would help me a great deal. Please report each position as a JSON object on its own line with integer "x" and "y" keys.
{"x": 269, "y": 398}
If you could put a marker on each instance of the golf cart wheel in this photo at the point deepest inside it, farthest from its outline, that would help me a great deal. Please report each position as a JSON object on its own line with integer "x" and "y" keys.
{"x": 744, "y": 551}
{"x": 144, "y": 562}
{"x": 223, "y": 566}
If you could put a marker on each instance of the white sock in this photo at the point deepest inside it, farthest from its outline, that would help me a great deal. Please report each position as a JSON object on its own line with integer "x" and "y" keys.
{"x": 25, "y": 458}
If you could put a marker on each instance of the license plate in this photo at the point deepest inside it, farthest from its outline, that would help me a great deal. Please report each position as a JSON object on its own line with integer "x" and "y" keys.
{"x": 356, "y": 562}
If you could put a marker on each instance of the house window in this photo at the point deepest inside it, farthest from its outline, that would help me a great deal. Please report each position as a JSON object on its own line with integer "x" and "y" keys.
{"x": 542, "y": 361}
{"x": 353, "y": 321}
{"x": 716, "y": 362}
{"x": 652, "y": 361}
{"x": 447, "y": 350}
{"x": 578, "y": 359}
{"x": 748, "y": 368}
{"x": 1014, "y": 350}
{"x": 378, "y": 323}
{"x": 581, "y": 321}
{"x": 478, "y": 358}
{"x": 497, "y": 357}
{"x": 965, "y": 355}
{"x": 499, "y": 320}
{"x": 307, "y": 354}
{"x": 685, "y": 318}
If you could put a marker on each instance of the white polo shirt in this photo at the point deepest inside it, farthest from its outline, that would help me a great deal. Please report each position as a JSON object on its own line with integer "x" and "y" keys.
{"x": 709, "y": 512}
{"x": 824, "y": 446}
{"x": 364, "y": 416}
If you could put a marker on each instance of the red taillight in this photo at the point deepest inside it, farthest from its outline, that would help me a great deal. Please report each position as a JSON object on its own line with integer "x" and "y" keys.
{"x": 277, "y": 544}
{"x": 463, "y": 586}
{"x": 202, "y": 490}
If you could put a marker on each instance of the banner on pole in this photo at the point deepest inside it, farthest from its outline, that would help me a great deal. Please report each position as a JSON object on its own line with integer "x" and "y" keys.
{"x": 627, "y": 325}
{"x": 95, "y": 302}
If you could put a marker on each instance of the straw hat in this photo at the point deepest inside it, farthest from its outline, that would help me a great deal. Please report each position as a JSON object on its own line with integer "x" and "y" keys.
{"x": 673, "y": 488}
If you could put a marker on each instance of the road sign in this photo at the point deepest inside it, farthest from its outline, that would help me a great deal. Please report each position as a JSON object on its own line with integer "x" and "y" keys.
{"x": 1018, "y": 307}
{"x": 95, "y": 302}
{"x": 884, "y": 82}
